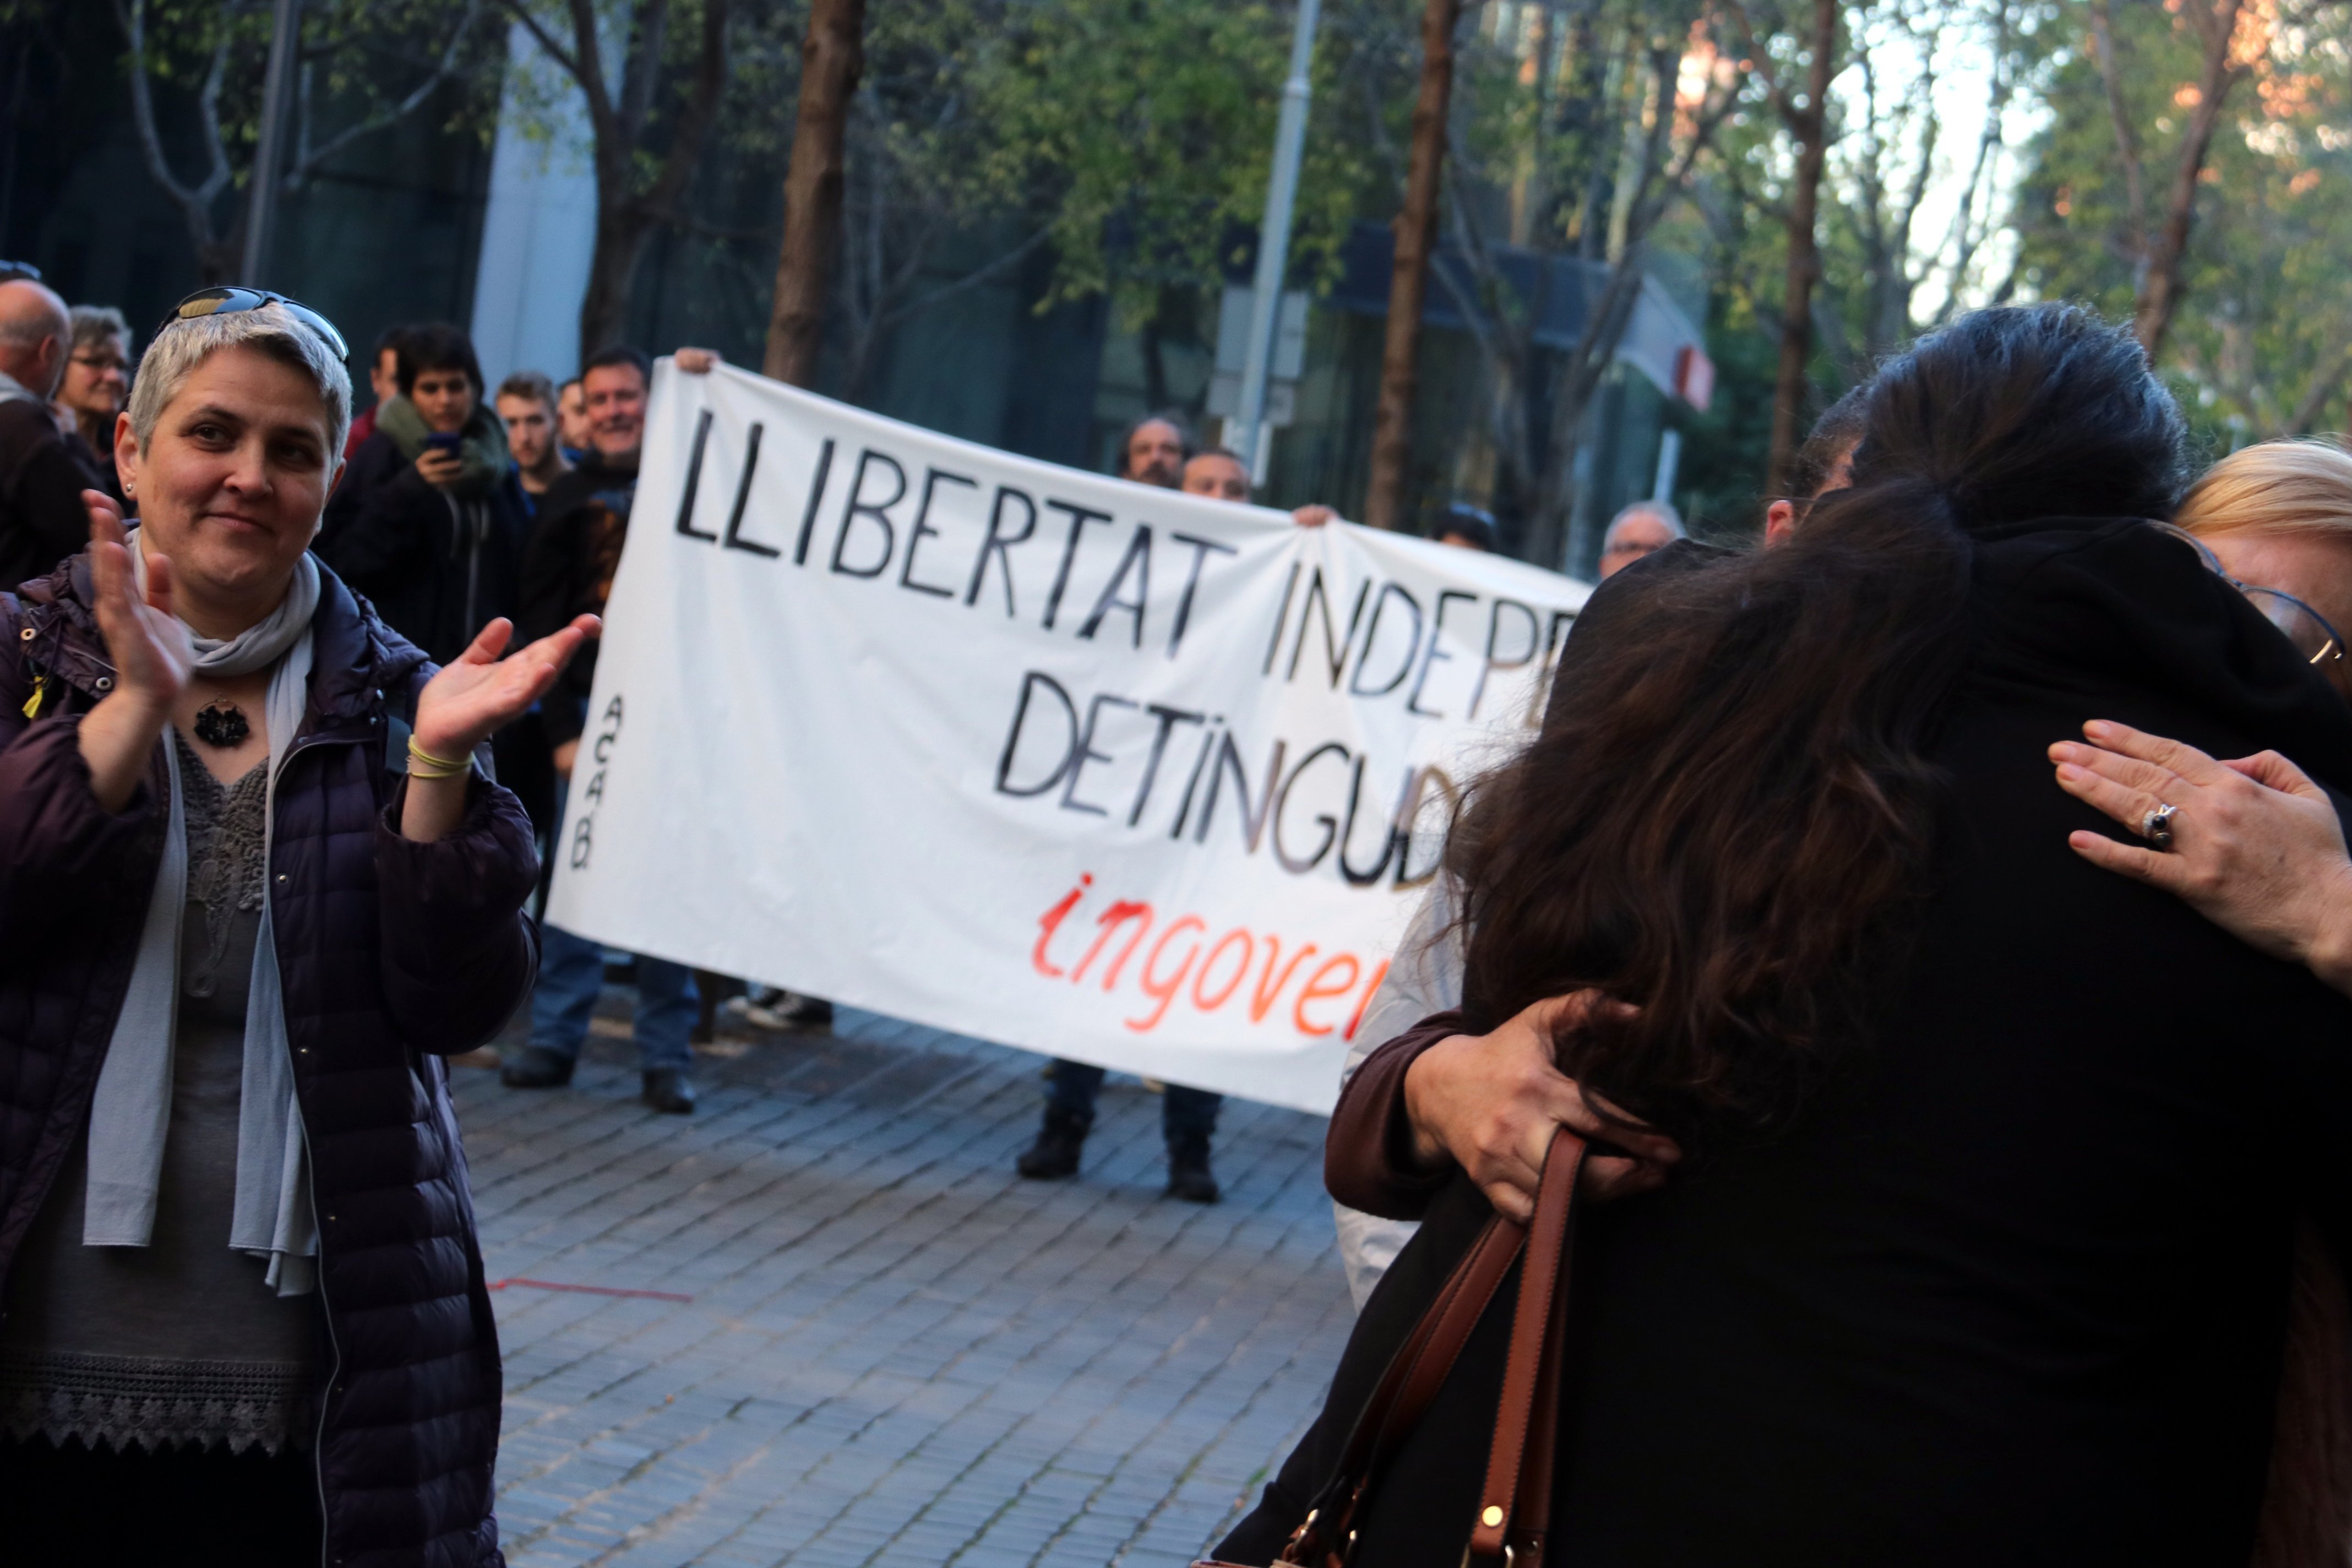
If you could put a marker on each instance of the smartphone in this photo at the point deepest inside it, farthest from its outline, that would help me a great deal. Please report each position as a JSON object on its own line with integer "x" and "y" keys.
{"x": 443, "y": 441}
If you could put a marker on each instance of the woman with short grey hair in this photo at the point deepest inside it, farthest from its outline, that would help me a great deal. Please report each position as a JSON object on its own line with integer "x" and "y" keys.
{"x": 253, "y": 890}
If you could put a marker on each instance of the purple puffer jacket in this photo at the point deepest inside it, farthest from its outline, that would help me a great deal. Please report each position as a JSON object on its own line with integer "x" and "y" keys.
{"x": 392, "y": 953}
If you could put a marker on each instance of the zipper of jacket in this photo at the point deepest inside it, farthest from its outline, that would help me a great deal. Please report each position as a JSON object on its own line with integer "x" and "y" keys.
{"x": 311, "y": 1175}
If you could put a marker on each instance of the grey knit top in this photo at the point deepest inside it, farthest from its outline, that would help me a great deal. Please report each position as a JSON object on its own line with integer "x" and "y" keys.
{"x": 180, "y": 1342}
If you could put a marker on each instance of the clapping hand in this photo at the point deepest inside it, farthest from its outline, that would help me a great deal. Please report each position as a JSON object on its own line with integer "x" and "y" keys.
{"x": 155, "y": 656}
{"x": 480, "y": 693}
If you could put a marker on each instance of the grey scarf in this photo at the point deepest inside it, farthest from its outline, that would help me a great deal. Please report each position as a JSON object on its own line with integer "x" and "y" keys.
{"x": 131, "y": 1111}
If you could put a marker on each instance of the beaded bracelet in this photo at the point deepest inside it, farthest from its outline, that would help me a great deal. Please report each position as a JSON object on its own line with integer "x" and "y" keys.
{"x": 423, "y": 765}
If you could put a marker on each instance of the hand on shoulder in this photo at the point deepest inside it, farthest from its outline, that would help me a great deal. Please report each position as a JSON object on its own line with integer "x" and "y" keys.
{"x": 2256, "y": 846}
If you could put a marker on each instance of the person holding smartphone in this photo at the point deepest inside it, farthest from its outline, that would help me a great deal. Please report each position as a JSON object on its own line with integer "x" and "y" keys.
{"x": 429, "y": 521}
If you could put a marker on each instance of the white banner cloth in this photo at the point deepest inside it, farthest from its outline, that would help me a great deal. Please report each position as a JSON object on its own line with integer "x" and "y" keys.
{"x": 1057, "y": 760}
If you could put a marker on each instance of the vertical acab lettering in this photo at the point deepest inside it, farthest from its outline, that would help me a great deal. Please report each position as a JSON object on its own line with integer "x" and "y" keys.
{"x": 583, "y": 830}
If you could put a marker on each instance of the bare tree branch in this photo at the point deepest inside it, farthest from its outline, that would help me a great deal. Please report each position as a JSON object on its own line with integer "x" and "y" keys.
{"x": 195, "y": 202}
{"x": 308, "y": 161}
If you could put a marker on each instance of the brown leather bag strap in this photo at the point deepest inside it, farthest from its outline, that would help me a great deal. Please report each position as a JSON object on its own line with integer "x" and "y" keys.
{"x": 1414, "y": 1376}
{"x": 1448, "y": 1329}
{"x": 1527, "y": 1368}
{"x": 1531, "y": 1525}
{"x": 1408, "y": 1386}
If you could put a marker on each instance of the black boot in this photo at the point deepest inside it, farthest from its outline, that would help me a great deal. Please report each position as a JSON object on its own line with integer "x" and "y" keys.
{"x": 669, "y": 1090}
{"x": 536, "y": 1067}
{"x": 1188, "y": 1170}
{"x": 1054, "y": 1155}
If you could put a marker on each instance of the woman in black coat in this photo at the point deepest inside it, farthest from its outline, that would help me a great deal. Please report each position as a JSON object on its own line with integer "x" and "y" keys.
{"x": 1978, "y": 1249}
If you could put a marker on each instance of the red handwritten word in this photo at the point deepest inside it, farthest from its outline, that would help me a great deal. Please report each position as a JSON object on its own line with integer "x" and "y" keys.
{"x": 1220, "y": 972}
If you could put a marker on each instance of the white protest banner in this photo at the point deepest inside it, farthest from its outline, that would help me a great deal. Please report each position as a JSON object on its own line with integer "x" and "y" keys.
{"x": 1072, "y": 764}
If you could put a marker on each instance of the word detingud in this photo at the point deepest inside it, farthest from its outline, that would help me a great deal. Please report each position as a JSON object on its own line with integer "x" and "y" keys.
{"x": 1258, "y": 974}
{"x": 1169, "y": 771}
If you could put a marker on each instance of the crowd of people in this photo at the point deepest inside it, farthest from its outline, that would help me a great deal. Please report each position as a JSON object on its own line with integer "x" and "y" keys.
{"x": 1936, "y": 920}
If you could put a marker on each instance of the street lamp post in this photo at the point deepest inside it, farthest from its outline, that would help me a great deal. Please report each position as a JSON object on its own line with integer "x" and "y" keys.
{"x": 1273, "y": 239}
{"x": 269, "y": 151}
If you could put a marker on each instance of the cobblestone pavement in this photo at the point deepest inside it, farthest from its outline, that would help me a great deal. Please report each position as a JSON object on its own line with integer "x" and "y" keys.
{"x": 861, "y": 1339}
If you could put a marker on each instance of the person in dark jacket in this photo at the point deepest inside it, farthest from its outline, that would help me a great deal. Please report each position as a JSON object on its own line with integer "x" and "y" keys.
{"x": 244, "y": 1308}
{"x": 41, "y": 474}
{"x": 384, "y": 385}
{"x": 429, "y": 520}
{"x": 1977, "y": 1250}
{"x": 575, "y": 549}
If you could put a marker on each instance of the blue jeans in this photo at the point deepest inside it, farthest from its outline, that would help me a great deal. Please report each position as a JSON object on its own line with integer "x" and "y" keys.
{"x": 571, "y": 976}
{"x": 1184, "y": 1112}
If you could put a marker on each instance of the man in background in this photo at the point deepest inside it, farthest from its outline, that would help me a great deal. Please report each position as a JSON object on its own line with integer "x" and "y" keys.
{"x": 526, "y": 404}
{"x": 384, "y": 385}
{"x": 574, "y": 550}
{"x": 572, "y": 422}
{"x": 41, "y": 477}
{"x": 1218, "y": 474}
{"x": 1642, "y": 529}
{"x": 1822, "y": 464}
{"x": 1154, "y": 449}
{"x": 428, "y": 521}
{"x": 1465, "y": 527}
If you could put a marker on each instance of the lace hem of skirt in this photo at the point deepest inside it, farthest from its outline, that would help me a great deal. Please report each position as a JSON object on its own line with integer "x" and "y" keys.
{"x": 125, "y": 1400}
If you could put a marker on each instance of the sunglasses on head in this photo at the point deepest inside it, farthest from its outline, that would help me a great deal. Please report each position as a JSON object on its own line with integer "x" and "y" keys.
{"x": 230, "y": 299}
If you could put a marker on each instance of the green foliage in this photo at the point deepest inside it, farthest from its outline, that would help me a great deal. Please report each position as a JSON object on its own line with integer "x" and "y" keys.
{"x": 2259, "y": 346}
{"x": 361, "y": 60}
{"x": 1139, "y": 131}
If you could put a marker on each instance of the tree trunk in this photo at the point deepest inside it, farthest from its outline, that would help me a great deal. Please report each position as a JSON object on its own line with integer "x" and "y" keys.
{"x": 1811, "y": 127}
{"x": 832, "y": 57}
{"x": 1416, "y": 233}
{"x": 1553, "y": 540}
{"x": 604, "y": 307}
{"x": 2164, "y": 279}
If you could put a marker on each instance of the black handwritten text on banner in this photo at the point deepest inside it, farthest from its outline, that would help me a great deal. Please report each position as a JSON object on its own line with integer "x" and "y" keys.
{"x": 1106, "y": 771}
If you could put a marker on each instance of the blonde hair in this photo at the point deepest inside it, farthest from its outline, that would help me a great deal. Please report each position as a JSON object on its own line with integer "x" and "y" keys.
{"x": 2301, "y": 486}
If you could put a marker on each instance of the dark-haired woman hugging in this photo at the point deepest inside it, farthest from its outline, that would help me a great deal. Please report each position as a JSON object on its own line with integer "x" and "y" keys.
{"x": 1977, "y": 1247}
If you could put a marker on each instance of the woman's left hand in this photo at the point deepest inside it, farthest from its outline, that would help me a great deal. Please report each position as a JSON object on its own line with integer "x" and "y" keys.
{"x": 480, "y": 693}
{"x": 2257, "y": 848}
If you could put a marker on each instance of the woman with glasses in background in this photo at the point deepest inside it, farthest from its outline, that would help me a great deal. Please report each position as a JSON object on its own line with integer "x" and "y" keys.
{"x": 2252, "y": 843}
{"x": 239, "y": 928}
{"x": 97, "y": 384}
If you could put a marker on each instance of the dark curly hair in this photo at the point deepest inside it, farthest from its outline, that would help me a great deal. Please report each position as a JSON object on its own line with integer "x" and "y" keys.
{"x": 1730, "y": 811}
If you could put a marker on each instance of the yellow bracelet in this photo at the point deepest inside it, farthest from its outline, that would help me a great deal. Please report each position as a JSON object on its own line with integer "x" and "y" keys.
{"x": 423, "y": 765}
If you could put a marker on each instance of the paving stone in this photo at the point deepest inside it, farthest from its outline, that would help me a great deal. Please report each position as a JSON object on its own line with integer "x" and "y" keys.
{"x": 896, "y": 1352}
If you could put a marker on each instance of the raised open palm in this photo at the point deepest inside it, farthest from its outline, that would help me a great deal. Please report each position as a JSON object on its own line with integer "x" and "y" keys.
{"x": 155, "y": 656}
{"x": 480, "y": 692}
